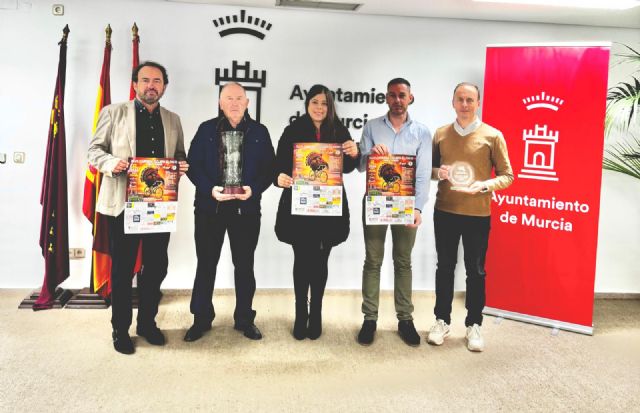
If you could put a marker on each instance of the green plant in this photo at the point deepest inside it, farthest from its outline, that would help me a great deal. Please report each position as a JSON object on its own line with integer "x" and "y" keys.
{"x": 623, "y": 106}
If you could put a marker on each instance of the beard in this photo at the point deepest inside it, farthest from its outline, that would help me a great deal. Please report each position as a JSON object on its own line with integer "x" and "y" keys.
{"x": 150, "y": 97}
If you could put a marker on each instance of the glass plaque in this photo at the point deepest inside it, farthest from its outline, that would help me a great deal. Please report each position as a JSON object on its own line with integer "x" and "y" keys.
{"x": 461, "y": 175}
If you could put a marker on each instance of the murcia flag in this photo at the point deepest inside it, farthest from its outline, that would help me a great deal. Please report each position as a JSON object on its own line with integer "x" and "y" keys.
{"x": 54, "y": 228}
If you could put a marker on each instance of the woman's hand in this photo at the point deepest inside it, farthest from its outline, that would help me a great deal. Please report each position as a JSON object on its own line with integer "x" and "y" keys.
{"x": 350, "y": 148}
{"x": 284, "y": 181}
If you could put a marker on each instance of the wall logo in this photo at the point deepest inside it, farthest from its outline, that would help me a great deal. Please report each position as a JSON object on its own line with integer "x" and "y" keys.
{"x": 540, "y": 142}
{"x": 242, "y": 24}
{"x": 542, "y": 101}
{"x": 539, "y": 154}
{"x": 253, "y": 82}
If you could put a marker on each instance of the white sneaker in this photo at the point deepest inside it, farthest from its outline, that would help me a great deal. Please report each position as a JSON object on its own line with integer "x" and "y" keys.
{"x": 475, "y": 342}
{"x": 438, "y": 333}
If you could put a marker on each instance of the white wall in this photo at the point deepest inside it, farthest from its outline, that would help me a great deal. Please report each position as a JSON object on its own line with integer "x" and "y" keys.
{"x": 353, "y": 52}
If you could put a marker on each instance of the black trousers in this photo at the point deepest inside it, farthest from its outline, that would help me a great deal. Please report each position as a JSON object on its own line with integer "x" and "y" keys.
{"x": 448, "y": 229}
{"x": 124, "y": 250}
{"x": 310, "y": 271}
{"x": 243, "y": 233}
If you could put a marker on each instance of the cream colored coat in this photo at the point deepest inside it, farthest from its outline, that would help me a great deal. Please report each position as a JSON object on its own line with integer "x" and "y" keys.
{"x": 115, "y": 139}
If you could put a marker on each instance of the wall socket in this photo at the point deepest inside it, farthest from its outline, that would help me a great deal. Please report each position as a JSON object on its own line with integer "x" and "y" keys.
{"x": 76, "y": 253}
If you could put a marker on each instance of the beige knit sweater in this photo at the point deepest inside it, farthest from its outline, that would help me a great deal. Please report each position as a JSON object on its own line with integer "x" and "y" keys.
{"x": 485, "y": 150}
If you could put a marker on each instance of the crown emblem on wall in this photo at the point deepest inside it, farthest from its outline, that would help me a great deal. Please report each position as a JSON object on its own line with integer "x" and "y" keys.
{"x": 242, "y": 24}
{"x": 542, "y": 101}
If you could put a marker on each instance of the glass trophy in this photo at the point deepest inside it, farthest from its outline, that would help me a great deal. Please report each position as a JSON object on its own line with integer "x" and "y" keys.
{"x": 461, "y": 176}
{"x": 231, "y": 160}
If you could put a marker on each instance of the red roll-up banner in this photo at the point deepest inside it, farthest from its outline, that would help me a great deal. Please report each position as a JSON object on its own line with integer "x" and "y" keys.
{"x": 549, "y": 102}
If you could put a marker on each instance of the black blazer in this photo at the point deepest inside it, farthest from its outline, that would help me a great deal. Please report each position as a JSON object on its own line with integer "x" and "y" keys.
{"x": 298, "y": 229}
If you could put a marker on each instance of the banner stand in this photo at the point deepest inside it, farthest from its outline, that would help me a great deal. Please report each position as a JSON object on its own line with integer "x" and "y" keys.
{"x": 549, "y": 102}
{"x": 546, "y": 322}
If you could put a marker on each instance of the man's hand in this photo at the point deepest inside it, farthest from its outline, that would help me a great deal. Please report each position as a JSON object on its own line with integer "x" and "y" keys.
{"x": 246, "y": 195}
{"x": 350, "y": 148}
{"x": 417, "y": 219}
{"x": 443, "y": 172}
{"x": 217, "y": 194}
{"x": 472, "y": 189}
{"x": 285, "y": 181}
{"x": 183, "y": 166}
{"x": 121, "y": 166}
{"x": 380, "y": 149}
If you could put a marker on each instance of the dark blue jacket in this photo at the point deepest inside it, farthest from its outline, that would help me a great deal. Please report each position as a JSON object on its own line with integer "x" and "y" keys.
{"x": 204, "y": 168}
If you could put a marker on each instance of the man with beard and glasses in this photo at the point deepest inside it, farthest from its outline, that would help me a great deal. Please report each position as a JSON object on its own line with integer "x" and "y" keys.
{"x": 219, "y": 211}
{"x": 395, "y": 133}
{"x": 138, "y": 128}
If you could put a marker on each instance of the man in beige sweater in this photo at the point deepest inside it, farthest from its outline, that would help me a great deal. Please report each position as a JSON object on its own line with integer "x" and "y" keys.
{"x": 465, "y": 153}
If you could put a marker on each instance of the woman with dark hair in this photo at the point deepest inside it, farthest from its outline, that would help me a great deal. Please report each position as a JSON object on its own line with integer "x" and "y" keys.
{"x": 312, "y": 237}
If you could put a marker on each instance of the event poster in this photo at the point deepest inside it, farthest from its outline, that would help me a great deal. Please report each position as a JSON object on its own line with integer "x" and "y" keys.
{"x": 549, "y": 102}
{"x": 390, "y": 189}
{"x": 317, "y": 179}
{"x": 152, "y": 196}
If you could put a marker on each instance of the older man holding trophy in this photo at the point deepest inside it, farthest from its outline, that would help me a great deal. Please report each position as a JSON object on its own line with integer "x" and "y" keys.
{"x": 465, "y": 153}
{"x": 232, "y": 161}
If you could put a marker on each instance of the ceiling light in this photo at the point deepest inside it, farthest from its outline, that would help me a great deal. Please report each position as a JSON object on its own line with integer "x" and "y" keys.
{"x": 587, "y": 4}
{"x": 325, "y": 5}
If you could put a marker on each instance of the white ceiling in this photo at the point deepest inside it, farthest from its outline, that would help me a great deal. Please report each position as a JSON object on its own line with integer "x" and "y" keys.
{"x": 468, "y": 9}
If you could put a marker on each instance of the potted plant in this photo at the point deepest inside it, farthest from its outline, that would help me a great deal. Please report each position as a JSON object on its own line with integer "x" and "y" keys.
{"x": 622, "y": 120}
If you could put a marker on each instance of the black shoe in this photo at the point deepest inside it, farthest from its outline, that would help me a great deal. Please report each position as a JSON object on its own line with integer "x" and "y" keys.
{"x": 408, "y": 333}
{"x": 152, "y": 334}
{"x": 368, "y": 330}
{"x": 250, "y": 330}
{"x": 196, "y": 331}
{"x": 122, "y": 342}
{"x": 315, "y": 326}
{"x": 300, "y": 328}
{"x": 302, "y": 318}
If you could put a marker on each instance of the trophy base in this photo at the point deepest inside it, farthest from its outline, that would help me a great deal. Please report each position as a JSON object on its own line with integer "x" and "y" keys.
{"x": 233, "y": 190}
{"x": 459, "y": 188}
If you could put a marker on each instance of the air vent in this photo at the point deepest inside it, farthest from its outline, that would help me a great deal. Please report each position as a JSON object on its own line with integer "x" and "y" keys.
{"x": 324, "y": 5}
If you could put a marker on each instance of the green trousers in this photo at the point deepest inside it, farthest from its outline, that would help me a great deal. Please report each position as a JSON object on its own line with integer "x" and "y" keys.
{"x": 403, "y": 240}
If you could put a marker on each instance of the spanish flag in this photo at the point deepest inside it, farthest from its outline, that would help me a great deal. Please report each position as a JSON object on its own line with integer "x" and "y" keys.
{"x": 54, "y": 227}
{"x": 100, "y": 256}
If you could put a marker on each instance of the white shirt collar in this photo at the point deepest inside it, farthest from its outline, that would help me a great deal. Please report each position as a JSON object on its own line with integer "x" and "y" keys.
{"x": 472, "y": 127}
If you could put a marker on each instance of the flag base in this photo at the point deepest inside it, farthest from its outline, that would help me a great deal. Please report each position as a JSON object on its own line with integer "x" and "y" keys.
{"x": 61, "y": 297}
{"x": 86, "y": 300}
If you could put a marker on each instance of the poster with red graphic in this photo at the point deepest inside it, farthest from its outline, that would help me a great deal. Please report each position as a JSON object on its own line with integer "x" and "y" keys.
{"x": 549, "y": 102}
{"x": 152, "y": 195}
{"x": 317, "y": 179}
{"x": 390, "y": 189}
